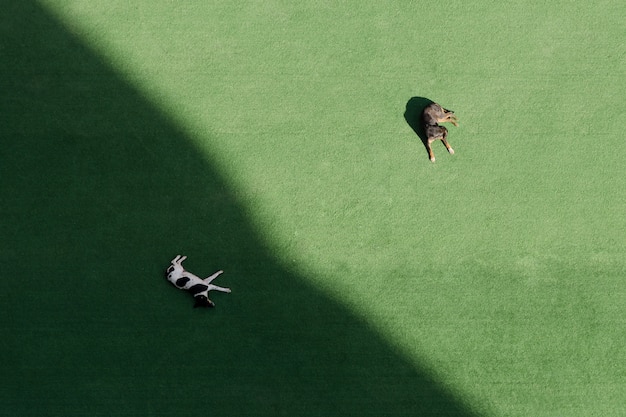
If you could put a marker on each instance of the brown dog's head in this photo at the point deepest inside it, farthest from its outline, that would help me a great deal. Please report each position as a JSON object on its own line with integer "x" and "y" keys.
{"x": 203, "y": 301}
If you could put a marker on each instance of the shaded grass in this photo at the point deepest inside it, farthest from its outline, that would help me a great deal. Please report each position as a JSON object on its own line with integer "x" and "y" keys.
{"x": 102, "y": 190}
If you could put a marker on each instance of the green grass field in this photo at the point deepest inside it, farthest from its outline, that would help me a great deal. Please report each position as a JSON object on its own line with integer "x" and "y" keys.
{"x": 270, "y": 139}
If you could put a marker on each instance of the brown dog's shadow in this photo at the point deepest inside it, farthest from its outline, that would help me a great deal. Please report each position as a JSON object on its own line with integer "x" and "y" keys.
{"x": 413, "y": 116}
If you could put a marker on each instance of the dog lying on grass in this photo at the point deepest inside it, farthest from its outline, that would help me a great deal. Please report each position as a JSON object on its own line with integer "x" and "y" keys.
{"x": 198, "y": 287}
{"x": 432, "y": 115}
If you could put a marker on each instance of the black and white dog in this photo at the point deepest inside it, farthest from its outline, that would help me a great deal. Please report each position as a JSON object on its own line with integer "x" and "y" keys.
{"x": 198, "y": 287}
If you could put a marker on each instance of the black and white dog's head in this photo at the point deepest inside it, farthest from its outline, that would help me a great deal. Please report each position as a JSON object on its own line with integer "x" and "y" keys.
{"x": 203, "y": 301}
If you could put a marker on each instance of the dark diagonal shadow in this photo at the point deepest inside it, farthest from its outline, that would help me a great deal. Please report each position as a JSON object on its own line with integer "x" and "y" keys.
{"x": 99, "y": 191}
{"x": 413, "y": 116}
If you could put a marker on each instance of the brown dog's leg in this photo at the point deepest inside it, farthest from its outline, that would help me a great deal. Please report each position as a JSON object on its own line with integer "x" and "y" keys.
{"x": 444, "y": 139}
{"x": 431, "y": 155}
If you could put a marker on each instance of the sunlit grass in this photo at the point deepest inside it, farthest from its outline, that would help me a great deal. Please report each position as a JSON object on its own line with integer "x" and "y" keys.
{"x": 497, "y": 268}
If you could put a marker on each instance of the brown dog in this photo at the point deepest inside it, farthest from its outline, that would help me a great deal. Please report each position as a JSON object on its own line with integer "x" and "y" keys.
{"x": 432, "y": 115}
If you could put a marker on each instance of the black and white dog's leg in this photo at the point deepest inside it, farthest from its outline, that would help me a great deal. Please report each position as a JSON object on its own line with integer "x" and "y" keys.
{"x": 216, "y": 288}
{"x": 208, "y": 280}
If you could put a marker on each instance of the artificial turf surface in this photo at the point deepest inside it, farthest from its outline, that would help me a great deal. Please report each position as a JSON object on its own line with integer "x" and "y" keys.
{"x": 273, "y": 140}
